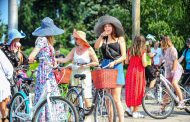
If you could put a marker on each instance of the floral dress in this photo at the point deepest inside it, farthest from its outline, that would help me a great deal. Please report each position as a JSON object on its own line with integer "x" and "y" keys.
{"x": 44, "y": 71}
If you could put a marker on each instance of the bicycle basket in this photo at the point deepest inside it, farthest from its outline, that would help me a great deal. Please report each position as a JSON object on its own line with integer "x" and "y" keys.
{"x": 63, "y": 76}
{"x": 104, "y": 78}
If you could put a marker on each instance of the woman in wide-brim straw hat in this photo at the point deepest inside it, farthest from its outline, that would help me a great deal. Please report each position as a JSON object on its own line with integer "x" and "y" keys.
{"x": 44, "y": 48}
{"x": 111, "y": 41}
{"x": 82, "y": 55}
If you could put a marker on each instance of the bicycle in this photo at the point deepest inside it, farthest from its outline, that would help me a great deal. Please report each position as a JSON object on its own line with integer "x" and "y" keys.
{"x": 159, "y": 101}
{"x": 60, "y": 109}
{"x": 102, "y": 102}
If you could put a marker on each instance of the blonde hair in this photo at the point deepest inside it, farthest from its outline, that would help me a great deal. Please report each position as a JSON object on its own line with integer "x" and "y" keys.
{"x": 166, "y": 42}
{"x": 51, "y": 40}
{"x": 138, "y": 46}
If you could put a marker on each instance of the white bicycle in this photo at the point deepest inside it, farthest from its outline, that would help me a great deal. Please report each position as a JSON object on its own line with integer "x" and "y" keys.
{"x": 59, "y": 109}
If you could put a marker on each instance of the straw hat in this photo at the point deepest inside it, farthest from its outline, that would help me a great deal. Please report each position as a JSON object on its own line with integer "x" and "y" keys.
{"x": 98, "y": 28}
{"x": 47, "y": 28}
{"x": 81, "y": 35}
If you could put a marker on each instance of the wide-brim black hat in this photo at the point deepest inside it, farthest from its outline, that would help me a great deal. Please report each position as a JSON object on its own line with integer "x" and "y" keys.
{"x": 98, "y": 28}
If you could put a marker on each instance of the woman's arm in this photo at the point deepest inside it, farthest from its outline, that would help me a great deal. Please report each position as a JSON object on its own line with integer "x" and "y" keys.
{"x": 175, "y": 65}
{"x": 144, "y": 62}
{"x": 181, "y": 59}
{"x": 98, "y": 42}
{"x": 93, "y": 58}
{"x": 33, "y": 54}
{"x": 69, "y": 57}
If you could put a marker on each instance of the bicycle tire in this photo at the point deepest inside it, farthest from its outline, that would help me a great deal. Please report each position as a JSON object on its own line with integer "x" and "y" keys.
{"x": 153, "y": 106}
{"x": 99, "y": 108}
{"x": 57, "y": 99}
{"x": 186, "y": 96}
{"x": 24, "y": 108}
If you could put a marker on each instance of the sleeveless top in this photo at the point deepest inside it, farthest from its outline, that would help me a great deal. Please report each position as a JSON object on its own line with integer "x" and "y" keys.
{"x": 81, "y": 59}
{"x": 112, "y": 52}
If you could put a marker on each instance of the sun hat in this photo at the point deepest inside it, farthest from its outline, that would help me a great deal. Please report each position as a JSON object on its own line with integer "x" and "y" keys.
{"x": 188, "y": 41}
{"x": 13, "y": 34}
{"x": 151, "y": 37}
{"x": 81, "y": 35}
{"x": 98, "y": 28}
{"x": 47, "y": 28}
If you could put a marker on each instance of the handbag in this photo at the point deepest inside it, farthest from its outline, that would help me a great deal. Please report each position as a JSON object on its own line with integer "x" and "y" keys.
{"x": 111, "y": 52}
{"x": 63, "y": 75}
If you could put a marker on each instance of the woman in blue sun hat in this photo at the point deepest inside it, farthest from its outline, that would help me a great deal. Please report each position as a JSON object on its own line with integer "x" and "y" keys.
{"x": 12, "y": 48}
{"x": 44, "y": 48}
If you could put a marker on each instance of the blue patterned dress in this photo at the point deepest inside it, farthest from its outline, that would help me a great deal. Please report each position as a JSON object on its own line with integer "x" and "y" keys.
{"x": 43, "y": 71}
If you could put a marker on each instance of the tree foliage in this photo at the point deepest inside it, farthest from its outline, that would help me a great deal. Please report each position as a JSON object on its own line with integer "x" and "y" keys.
{"x": 160, "y": 17}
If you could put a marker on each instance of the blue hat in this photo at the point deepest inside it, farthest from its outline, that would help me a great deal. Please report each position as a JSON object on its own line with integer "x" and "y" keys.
{"x": 13, "y": 34}
{"x": 47, "y": 28}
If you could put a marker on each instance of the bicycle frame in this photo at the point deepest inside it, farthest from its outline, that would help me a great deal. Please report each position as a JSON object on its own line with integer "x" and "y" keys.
{"x": 32, "y": 109}
{"x": 45, "y": 95}
{"x": 169, "y": 87}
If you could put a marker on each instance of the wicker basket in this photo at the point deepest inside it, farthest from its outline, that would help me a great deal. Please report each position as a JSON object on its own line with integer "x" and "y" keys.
{"x": 63, "y": 76}
{"x": 104, "y": 78}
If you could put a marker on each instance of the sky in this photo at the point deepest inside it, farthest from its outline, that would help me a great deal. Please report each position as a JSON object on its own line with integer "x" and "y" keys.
{"x": 4, "y": 11}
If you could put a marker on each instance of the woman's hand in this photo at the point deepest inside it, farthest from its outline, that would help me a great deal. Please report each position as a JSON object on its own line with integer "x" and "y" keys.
{"x": 104, "y": 34}
{"x": 112, "y": 64}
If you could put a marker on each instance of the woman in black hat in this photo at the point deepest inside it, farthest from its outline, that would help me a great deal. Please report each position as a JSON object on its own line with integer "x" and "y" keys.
{"x": 112, "y": 44}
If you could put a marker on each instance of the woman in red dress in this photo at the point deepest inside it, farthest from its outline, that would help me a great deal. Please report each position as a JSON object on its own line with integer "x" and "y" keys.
{"x": 135, "y": 76}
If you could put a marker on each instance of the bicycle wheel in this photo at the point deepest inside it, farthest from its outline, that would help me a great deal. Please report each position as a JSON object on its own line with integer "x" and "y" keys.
{"x": 61, "y": 111}
{"x": 186, "y": 95}
{"x": 18, "y": 108}
{"x": 73, "y": 97}
{"x": 156, "y": 106}
{"x": 105, "y": 109}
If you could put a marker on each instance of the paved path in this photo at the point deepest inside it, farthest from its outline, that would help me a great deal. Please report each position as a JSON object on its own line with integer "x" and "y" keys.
{"x": 176, "y": 116}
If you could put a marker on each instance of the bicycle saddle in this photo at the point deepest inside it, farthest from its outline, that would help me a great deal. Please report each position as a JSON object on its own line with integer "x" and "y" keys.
{"x": 81, "y": 76}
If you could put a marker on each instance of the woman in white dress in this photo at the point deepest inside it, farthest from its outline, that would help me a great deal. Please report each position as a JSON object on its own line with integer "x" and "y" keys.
{"x": 6, "y": 72}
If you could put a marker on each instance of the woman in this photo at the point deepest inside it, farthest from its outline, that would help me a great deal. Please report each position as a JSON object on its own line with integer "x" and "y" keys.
{"x": 6, "y": 73}
{"x": 112, "y": 44}
{"x": 186, "y": 56}
{"x": 172, "y": 67}
{"x": 44, "y": 49}
{"x": 82, "y": 55}
{"x": 12, "y": 48}
{"x": 135, "y": 75}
